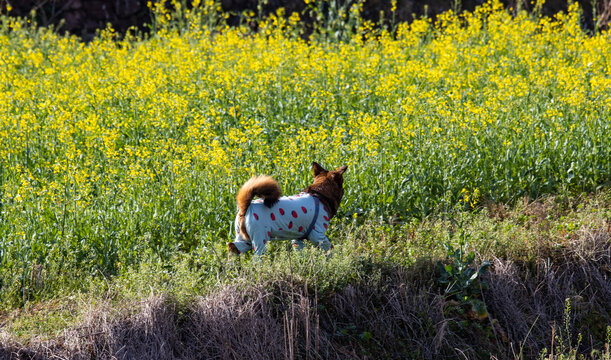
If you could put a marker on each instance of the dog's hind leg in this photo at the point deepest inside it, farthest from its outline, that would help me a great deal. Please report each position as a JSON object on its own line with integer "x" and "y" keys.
{"x": 239, "y": 246}
{"x": 259, "y": 241}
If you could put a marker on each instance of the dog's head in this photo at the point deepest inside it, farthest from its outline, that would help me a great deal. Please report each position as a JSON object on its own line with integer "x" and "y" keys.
{"x": 328, "y": 186}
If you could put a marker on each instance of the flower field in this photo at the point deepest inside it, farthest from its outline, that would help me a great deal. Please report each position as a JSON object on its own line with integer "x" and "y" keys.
{"x": 127, "y": 146}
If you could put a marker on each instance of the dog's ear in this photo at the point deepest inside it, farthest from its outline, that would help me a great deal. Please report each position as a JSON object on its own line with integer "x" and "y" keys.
{"x": 341, "y": 169}
{"x": 317, "y": 169}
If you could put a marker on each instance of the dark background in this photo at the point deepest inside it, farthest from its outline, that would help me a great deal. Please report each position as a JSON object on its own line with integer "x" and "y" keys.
{"x": 84, "y": 17}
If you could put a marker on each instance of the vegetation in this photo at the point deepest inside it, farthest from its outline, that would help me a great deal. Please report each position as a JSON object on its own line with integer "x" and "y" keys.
{"x": 378, "y": 293}
{"x": 120, "y": 159}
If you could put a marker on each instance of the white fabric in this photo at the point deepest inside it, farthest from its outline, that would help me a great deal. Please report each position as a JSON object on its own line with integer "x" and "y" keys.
{"x": 288, "y": 219}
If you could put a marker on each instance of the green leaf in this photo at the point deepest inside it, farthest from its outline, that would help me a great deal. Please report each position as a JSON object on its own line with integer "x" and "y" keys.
{"x": 485, "y": 265}
{"x": 470, "y": 258}
{"x": 449, "y": 268}
{"x": 479, "y": 307}
{"x": 441, "y": 267}
{"x": 474, "y": 276}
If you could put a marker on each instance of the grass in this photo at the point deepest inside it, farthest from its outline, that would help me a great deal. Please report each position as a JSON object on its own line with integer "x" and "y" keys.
{"x": 541, "y": 244}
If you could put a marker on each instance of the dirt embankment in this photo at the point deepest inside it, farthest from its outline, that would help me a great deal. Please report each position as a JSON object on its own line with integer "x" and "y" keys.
{"x": 84, "y": 17}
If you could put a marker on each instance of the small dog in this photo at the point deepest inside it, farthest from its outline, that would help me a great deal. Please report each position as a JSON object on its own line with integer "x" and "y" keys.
{"x": 277, "y": 217}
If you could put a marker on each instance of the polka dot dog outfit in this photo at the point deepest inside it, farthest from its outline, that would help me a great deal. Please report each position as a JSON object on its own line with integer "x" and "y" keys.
{"x": 296, "y": 218}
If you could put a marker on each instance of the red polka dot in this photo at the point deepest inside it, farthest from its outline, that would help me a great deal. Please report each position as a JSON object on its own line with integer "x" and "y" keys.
{"x": 325, "y": 225}
{"x": 304, "y": 210}
{"x": 324, "y": 207}
{"x": 264, "y": 241}
{"x": 294, "y": 213}
{"x": 256, "y": 216}
{"x": 273, "y": 217}
{"x": 279, "y": 229}
{"x": 269, "y": 233}
{"x": 326, "y": 218}
{"x": 291, "y": 225}
{"x": 281, "y": 211}
{"x": 301, "y": 228}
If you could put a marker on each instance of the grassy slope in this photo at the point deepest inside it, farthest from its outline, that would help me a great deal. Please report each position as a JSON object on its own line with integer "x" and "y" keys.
{"x": 376, "y": 294}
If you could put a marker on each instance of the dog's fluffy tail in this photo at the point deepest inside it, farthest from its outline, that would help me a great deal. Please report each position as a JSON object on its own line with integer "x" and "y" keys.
{"x": 264, "y": 187}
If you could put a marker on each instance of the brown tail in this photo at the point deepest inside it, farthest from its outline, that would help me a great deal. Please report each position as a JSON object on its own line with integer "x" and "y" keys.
{"x": 262, "y": 186}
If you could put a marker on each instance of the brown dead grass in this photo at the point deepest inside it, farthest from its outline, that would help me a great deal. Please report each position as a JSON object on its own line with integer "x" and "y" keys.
{"x": 399, "y": 313}
{"x": 528, "y": 298}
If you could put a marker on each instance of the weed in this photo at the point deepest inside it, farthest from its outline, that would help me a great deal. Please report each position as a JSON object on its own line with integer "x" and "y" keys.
{"x": 461, "y": 279}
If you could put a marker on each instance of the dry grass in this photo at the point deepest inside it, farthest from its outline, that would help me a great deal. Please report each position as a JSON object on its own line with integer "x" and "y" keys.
{"x": 528, "y": 299}
{"x": 397, "y": 313}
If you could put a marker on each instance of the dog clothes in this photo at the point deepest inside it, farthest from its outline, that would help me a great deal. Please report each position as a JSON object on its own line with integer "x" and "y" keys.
{"x": 288, "y": 219}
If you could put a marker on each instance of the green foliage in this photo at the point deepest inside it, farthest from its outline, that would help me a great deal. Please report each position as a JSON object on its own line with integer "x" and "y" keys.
{"x": 335, "y": 20}
{"x": 462, "y": 280}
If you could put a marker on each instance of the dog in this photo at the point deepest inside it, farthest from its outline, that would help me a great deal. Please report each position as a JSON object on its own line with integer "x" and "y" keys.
{"x": 276, "y": 217}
